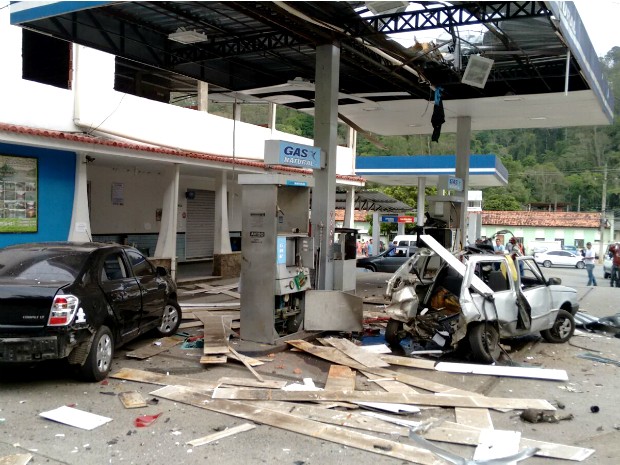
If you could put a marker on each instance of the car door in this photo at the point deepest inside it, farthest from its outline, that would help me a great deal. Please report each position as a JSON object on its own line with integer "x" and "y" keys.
{"x": 153, "y": 288}
{"x": 534, "y": 287}
{"x": 122, "y": 292}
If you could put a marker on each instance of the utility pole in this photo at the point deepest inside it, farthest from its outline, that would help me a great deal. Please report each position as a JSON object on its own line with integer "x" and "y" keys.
{"x": 601, "y": 245}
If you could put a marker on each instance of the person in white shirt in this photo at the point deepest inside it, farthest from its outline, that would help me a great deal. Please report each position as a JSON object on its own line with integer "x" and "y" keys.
{"x": 588, "y": 259}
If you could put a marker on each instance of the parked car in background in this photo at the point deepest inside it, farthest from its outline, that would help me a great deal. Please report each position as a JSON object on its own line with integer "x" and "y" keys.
{"x": 388, "y": 261}
{"x": 559, "y": 258}
{"x": 62, "y": 300}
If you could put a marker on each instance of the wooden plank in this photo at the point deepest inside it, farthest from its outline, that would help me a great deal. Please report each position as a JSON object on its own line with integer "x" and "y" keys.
{"x": 221, "y": 434}
{"x": 408, "y": 361}
{"x": 191, "y": 324}
{"x": 334, "y": 417}
{"x": 150, "y": 377}
{"x": 340, "y": 378}
{"x": 496, "y": 370}
{"x": 335, "y": 356}
{"x": 476, "y": 417}
{"x": 253, "y": 362}
{"x": 132, "y": 399}
{"x": 210, "y": 306}
{"x": 444, "y": 400}
{"x": 459, "y": 434}
{"x": 15, "y": 459}
{"x": 390, "y": 385}
{"x": 215, "y": 334}
{"x": 213, "y": 359}
{"x": 234, "y": 294}
{"x": 249, "y": 382}
{"x": 307, "y": 427}
{"x": 153, "y": 348}
{"x": 217, "y": 289}
{"x": 356, "y": 353}
{"x": 246, "y": 364}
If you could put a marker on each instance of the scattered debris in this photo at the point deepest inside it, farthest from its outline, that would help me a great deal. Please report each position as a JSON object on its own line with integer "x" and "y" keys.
{"x": 596, "y": 358}
{"x": 541, "y": 416}
{"x": 146, "y": 420}
{"x": 595, "y": 409}
{"x": 498, "y": 370}
{"x": 15, "y": 459}
{"x": 75, "y": 417}
{"x": 220, "y": 435}
{"x": 132, "y": 399}
{"x": 154, "y": 348}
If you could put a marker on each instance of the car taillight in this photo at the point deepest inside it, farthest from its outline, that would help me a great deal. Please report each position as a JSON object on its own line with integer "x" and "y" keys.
{"x": 63, "y": 310}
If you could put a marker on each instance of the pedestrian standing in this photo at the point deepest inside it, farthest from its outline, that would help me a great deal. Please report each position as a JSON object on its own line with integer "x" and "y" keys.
{"x": 589, "y": 259}
{"x": 615, "y": 265}
{"x": 370, "y": 247}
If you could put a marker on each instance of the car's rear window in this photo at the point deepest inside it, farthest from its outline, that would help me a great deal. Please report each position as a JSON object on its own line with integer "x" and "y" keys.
{"x": 41, "y": 265}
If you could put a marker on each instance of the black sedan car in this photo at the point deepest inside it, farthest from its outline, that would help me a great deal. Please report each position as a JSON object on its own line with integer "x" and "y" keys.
{"x": 388, "y": 261}
{"x": 79, "y": 301}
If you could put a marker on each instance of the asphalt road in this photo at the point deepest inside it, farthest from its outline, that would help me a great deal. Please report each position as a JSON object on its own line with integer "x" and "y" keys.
{"x": 25, "y": 392}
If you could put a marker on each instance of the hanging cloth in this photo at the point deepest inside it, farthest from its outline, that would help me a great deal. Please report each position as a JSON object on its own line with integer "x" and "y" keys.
{"x": 438, "y": 117}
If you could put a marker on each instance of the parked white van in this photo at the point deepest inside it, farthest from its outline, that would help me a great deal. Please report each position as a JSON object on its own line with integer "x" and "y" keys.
{"x": 405, "y": 240}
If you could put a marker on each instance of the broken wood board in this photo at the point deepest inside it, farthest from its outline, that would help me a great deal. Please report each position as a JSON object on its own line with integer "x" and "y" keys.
{"x": 154, "y": 348}
{"x": 476, "y": 417}
{"x": 408, "y": 361}
{"x": 460, "y": 434}
{"x": 335, "y": 356}
{"x": 390, "y": 385}
{"x": 210, "y": 306}
{"x": 249, "y": 382}
{"x": 249, "y": 360}
{"x": 334, "y": 417}
{"x": 213, "y": 359}
{"x": 390, "y": 407}
{"x": 245, "y": 363}
{"x": 497, "y": 370}
{"x": 150, "y": 377}
{"x": 132, "y": 399}
{"x": 356, "y": 353}
{"x": 221, "y": 434}
{"x": 315, "y": 429}
{"x": 215, "y": 334}
{"x": 443, "y": 400}
{"x": 340, "y": 378}
{"x": 190, "y": 324}
{"x": 15, "y": 459}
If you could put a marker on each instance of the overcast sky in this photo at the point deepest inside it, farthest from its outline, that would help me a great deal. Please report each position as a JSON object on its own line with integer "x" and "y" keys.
{"x": 601, "y": 19}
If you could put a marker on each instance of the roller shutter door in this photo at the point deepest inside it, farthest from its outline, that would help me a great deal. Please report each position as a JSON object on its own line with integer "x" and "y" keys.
{"x": 200, "y": 225}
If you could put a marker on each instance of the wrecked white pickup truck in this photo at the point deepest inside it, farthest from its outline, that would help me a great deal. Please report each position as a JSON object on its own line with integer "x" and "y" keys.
{"x": 475, "y": 300}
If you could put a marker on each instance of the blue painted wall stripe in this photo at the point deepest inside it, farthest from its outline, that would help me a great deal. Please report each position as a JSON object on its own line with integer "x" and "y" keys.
{"x": 31, "y": 11}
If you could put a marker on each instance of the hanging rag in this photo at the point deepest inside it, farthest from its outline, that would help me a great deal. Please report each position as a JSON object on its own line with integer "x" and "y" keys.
{"x": 438, "y": 117}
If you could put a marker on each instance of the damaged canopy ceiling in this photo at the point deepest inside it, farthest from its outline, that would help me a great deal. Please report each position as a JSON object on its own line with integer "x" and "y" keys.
{"x": 543, "y": 65}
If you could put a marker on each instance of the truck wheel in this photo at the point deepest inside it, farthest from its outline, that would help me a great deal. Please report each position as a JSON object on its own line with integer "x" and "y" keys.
{"x": 99, "y": 360}
{"x": 547, "y": 264}
{"x": 393, "y": 332}
{"x": 484, "y": 342}
{"x": 170, "y": 319}
{"x": 562, "y": 329}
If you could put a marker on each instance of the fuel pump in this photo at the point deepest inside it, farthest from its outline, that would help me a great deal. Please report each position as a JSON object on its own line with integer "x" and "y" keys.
{"x": 277, "y": 255}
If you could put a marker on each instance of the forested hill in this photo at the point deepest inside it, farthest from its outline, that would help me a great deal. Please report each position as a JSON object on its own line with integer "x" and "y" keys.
{"x": 545, "y": 165}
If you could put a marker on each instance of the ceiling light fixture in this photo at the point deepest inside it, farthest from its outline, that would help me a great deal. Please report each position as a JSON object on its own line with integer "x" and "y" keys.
{"x": 386, "y": 7}
{"x": 187, "y": 37}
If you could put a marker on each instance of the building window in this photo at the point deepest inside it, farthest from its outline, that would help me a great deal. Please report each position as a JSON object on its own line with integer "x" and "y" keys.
{"x": 46, "y": 60}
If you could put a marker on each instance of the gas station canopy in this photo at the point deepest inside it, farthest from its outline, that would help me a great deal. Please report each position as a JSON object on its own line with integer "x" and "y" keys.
{"x": 542, "y": 69}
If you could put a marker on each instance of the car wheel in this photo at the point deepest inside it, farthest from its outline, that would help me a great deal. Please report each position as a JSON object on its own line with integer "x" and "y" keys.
{"x": 394, "y": 332}
{"x": 371, "y": 268}
{"x": 562, "y": 329}
{"x": 99, "y": 360}
{"x": 170, "y": 319}
{"x": 547, "y": 264}
{"x": 484, "y": 342}
{"x": 580, "y": 265}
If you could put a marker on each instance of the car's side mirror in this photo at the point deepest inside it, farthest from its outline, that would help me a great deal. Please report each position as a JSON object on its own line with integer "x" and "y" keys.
{"x": 554, "y": 281}
{"x": 161, "y": 271}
